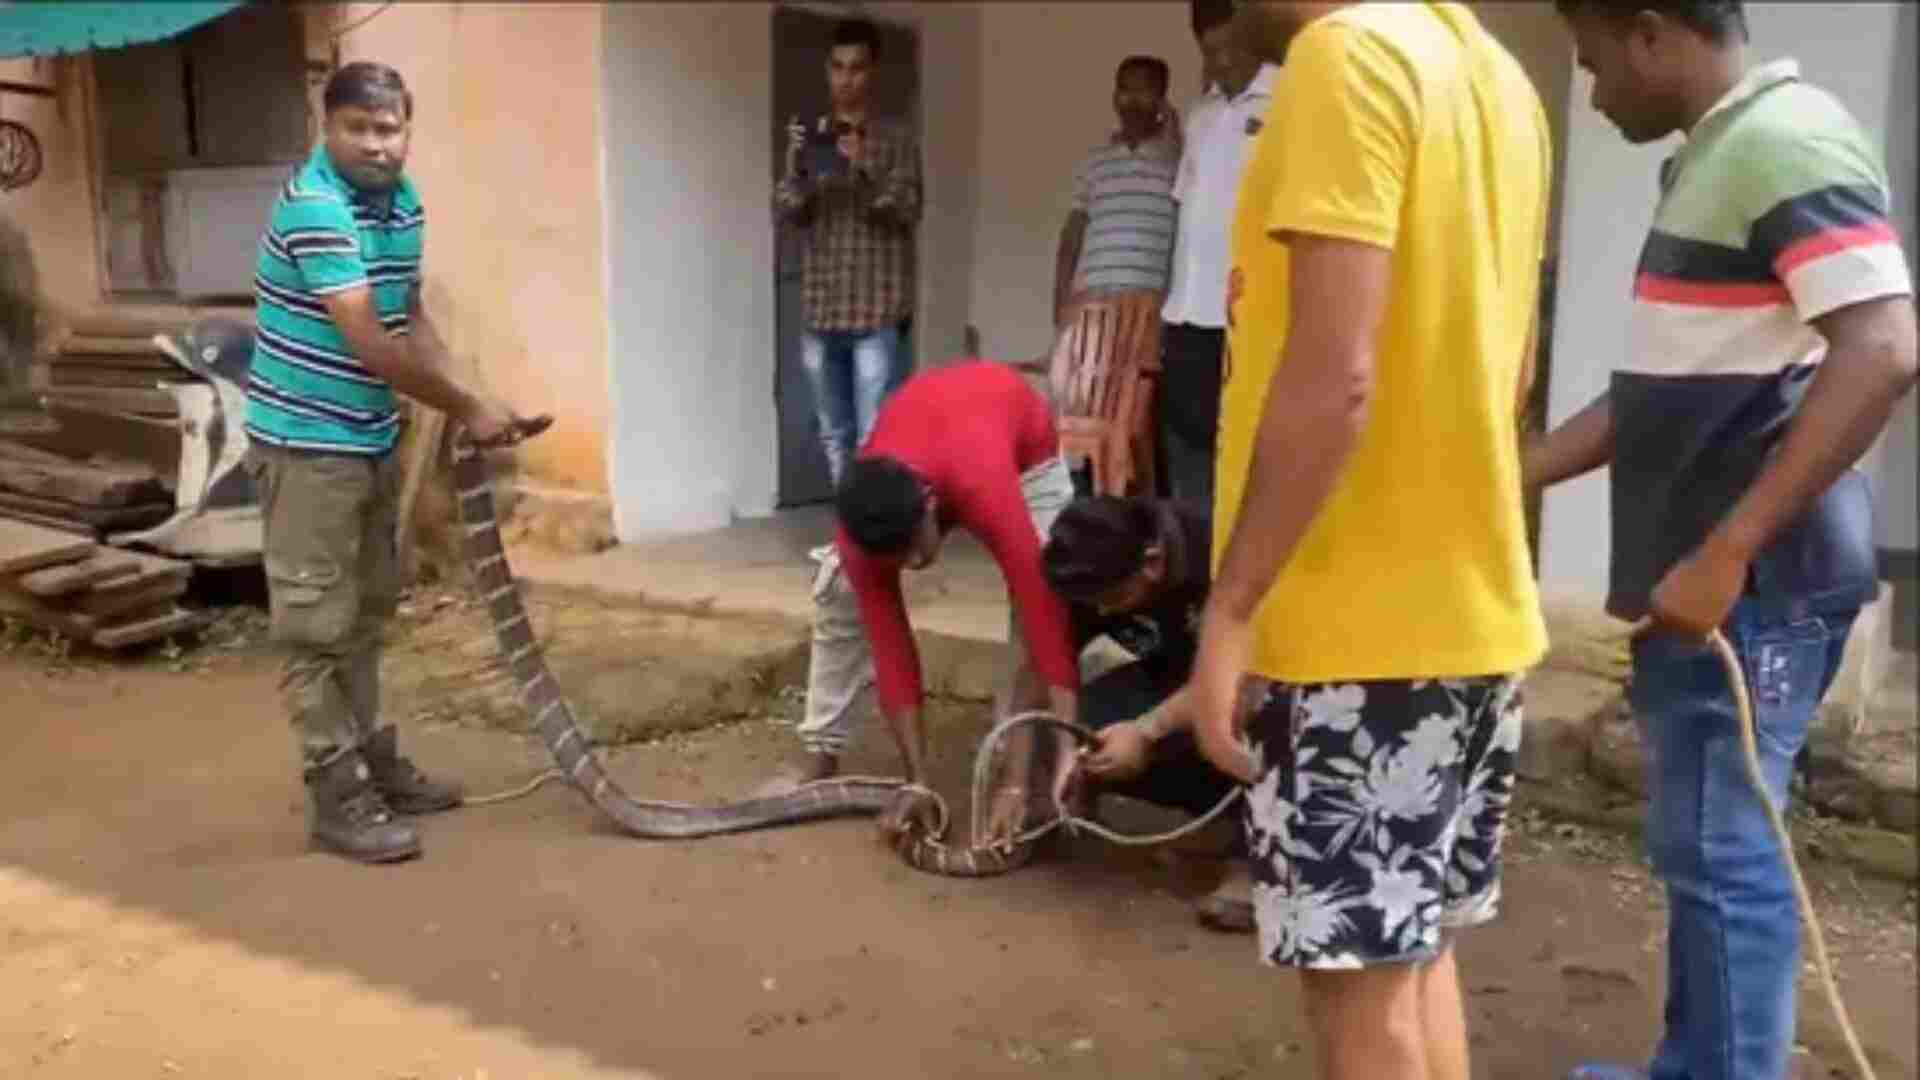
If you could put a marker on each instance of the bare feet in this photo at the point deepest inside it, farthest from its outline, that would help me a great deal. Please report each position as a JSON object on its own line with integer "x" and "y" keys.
{"x": 1229, "y": 907}
{"x": 804, "y": 768}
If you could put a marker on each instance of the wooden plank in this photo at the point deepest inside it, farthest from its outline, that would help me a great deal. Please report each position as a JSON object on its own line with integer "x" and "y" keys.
{"x": 111, "y": 518}
{"x": 99, "y": 345}
{"x": 59, "y": 525}
{"x": 83, "y": 485}
{"x": 150, "y": 628}
{"x": 144, "y": 401}
{"x": 113, "y": 323}
{"x": 101, "y": 566}
{"x": 25, "y": 547}
{"x": 21, "y": 606}
{"x": 114, "y": 378}
{"x": 150, "y": 570}
{"x": 20, "y": 451}
{"x": 154, "y": 365}
{"x": 128, "y": 466}
{"x": 107, "y": 604}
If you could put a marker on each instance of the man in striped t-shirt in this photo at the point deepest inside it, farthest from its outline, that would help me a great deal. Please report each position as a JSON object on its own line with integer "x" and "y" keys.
{"x": 1773, "y": 331}
{"x": 1118, "y": 236}
{"x": 340, "y": 329}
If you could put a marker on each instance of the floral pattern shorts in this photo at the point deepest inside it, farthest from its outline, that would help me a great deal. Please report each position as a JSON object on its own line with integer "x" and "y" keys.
{"x": 1376, "y": 818}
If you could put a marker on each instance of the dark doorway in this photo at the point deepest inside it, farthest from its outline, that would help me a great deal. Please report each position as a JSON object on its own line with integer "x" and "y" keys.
{"x": 800, "y": 44}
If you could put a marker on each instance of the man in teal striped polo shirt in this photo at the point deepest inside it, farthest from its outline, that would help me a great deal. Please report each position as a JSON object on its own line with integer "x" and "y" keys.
{"x": 340, "y": 329}
{"x": 1772, "y": 334}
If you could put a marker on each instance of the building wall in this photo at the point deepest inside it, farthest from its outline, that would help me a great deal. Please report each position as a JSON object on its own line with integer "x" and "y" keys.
{"x": 689, "y": 110}
{"x": 56, "y": 210}
{"x": 506, "y": 152}
{"x": 690, "y": 264}
{"x": 1848, "y": 48}
{"x": 1899, "y": 451}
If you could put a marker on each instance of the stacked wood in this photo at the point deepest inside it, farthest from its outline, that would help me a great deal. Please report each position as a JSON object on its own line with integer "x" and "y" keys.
{"x": 109, "y": 363}
{"x": 85, "y": 497}
{"x": 108, "y": 597}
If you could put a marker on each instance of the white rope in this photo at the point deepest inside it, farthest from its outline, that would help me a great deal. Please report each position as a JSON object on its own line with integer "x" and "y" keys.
{"x": 1062, "y": 817}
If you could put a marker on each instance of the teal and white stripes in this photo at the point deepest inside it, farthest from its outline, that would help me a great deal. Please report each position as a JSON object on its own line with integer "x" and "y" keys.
{"x": 306, "y": 389}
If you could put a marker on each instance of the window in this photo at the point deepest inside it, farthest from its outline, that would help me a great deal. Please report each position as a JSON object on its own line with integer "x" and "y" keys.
{"x": 197, "y": 134}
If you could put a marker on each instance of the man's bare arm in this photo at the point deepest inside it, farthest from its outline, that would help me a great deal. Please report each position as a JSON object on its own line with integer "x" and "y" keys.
{"x": 1579, "y": 446}
{"x": 1165, "y": 718}
{"x": 1066, "y": 260}
{"x": 909, "y": 731}
{"x": 1318, "y": 401}
{"x": 1317, "y": 405}
{"x": 395, "y": 359}
{"x": 1870, "y": 365}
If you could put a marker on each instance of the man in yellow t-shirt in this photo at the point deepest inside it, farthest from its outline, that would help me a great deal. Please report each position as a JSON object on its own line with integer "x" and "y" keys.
{"x": 1372, "y": 576}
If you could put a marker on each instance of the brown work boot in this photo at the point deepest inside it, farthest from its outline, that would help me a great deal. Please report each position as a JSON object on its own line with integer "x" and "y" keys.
{"x": 1229, "y": 907}
{"x": 405, "y": 787}
{"x": 350, "y": 818}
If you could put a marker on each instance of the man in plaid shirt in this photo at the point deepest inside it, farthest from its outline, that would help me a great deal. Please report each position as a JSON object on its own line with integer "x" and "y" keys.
{"x": 853, "y": 183}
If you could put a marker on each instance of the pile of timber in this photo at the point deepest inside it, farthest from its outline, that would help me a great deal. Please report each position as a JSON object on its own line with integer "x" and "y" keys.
{"x": 108, "y": 597}
{"x": 88, "y": 498}
{"x": 108, "y": 363}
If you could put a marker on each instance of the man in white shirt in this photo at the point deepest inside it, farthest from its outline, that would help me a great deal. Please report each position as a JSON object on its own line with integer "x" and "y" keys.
{"x": 1220, "y": 128}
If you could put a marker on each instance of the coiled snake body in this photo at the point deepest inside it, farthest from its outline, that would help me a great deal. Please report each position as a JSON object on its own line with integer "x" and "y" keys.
{"x": 492, "y": 578}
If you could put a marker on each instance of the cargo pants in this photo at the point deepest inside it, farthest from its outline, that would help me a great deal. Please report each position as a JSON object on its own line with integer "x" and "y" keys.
{"x": 333, "y": 580}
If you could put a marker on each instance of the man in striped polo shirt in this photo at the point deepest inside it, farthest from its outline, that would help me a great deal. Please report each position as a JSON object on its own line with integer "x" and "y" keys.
{"x": 1773, "y": 332}
{"x": 340, "y": 329}
{"x": 1118, "y": 236}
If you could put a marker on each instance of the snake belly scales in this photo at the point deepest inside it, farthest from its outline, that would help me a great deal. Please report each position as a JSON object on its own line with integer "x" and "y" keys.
{"x": 520, "y": 653}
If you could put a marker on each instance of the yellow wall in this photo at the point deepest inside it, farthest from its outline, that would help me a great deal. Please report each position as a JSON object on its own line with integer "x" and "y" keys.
{"x": 506, "y": 153}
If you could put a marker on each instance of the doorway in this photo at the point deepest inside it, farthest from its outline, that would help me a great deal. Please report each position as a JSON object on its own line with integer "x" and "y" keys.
{"x": 801, "y": 41}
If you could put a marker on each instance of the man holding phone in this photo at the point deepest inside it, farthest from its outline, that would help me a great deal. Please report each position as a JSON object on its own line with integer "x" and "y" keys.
{"x": 852, "y": 181}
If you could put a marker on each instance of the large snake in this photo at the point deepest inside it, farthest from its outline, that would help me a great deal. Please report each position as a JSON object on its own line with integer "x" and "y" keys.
{"x": 492, "y": 578}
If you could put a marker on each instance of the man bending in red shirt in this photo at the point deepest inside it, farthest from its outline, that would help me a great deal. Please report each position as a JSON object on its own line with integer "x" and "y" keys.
{"x": 968, "y": 445}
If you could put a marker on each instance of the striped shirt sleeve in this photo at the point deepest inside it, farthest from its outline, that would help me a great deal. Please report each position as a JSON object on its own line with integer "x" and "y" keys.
{"x": 1083, "y": 184}
{"x": 321, "y": 239}
{"x": 1831, "y": 242}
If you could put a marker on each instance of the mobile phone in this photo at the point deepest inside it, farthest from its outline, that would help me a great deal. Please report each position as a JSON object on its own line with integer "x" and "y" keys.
{"x": 822, "y": 152}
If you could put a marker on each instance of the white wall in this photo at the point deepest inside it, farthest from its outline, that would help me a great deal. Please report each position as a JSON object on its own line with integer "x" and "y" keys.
{"x": 1047, "y": 100}
{"x": 950, "y": 64}
{"x": 686, "y": 106}
{"x": 1849, "y": 48}
{"x": 1898, "y": 504}
{"x": 687, "y": 93}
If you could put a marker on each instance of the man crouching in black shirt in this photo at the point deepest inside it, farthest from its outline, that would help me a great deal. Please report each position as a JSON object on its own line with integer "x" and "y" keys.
{"x": 1135, "y": 570}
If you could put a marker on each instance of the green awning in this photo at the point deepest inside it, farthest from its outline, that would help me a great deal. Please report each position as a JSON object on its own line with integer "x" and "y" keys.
{"x": 56, "y": 27}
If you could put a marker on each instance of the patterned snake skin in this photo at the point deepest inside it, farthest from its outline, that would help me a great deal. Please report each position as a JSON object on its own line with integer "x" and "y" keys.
{"x": 553, "y": 716}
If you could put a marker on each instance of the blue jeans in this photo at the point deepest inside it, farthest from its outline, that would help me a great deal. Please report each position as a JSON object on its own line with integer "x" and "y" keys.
{"x": 1733, "y": 934}
{"x": 851, "y": 374}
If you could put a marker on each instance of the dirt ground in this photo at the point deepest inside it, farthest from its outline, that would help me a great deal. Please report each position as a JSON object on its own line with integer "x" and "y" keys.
{"x": 163, "y": 916}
